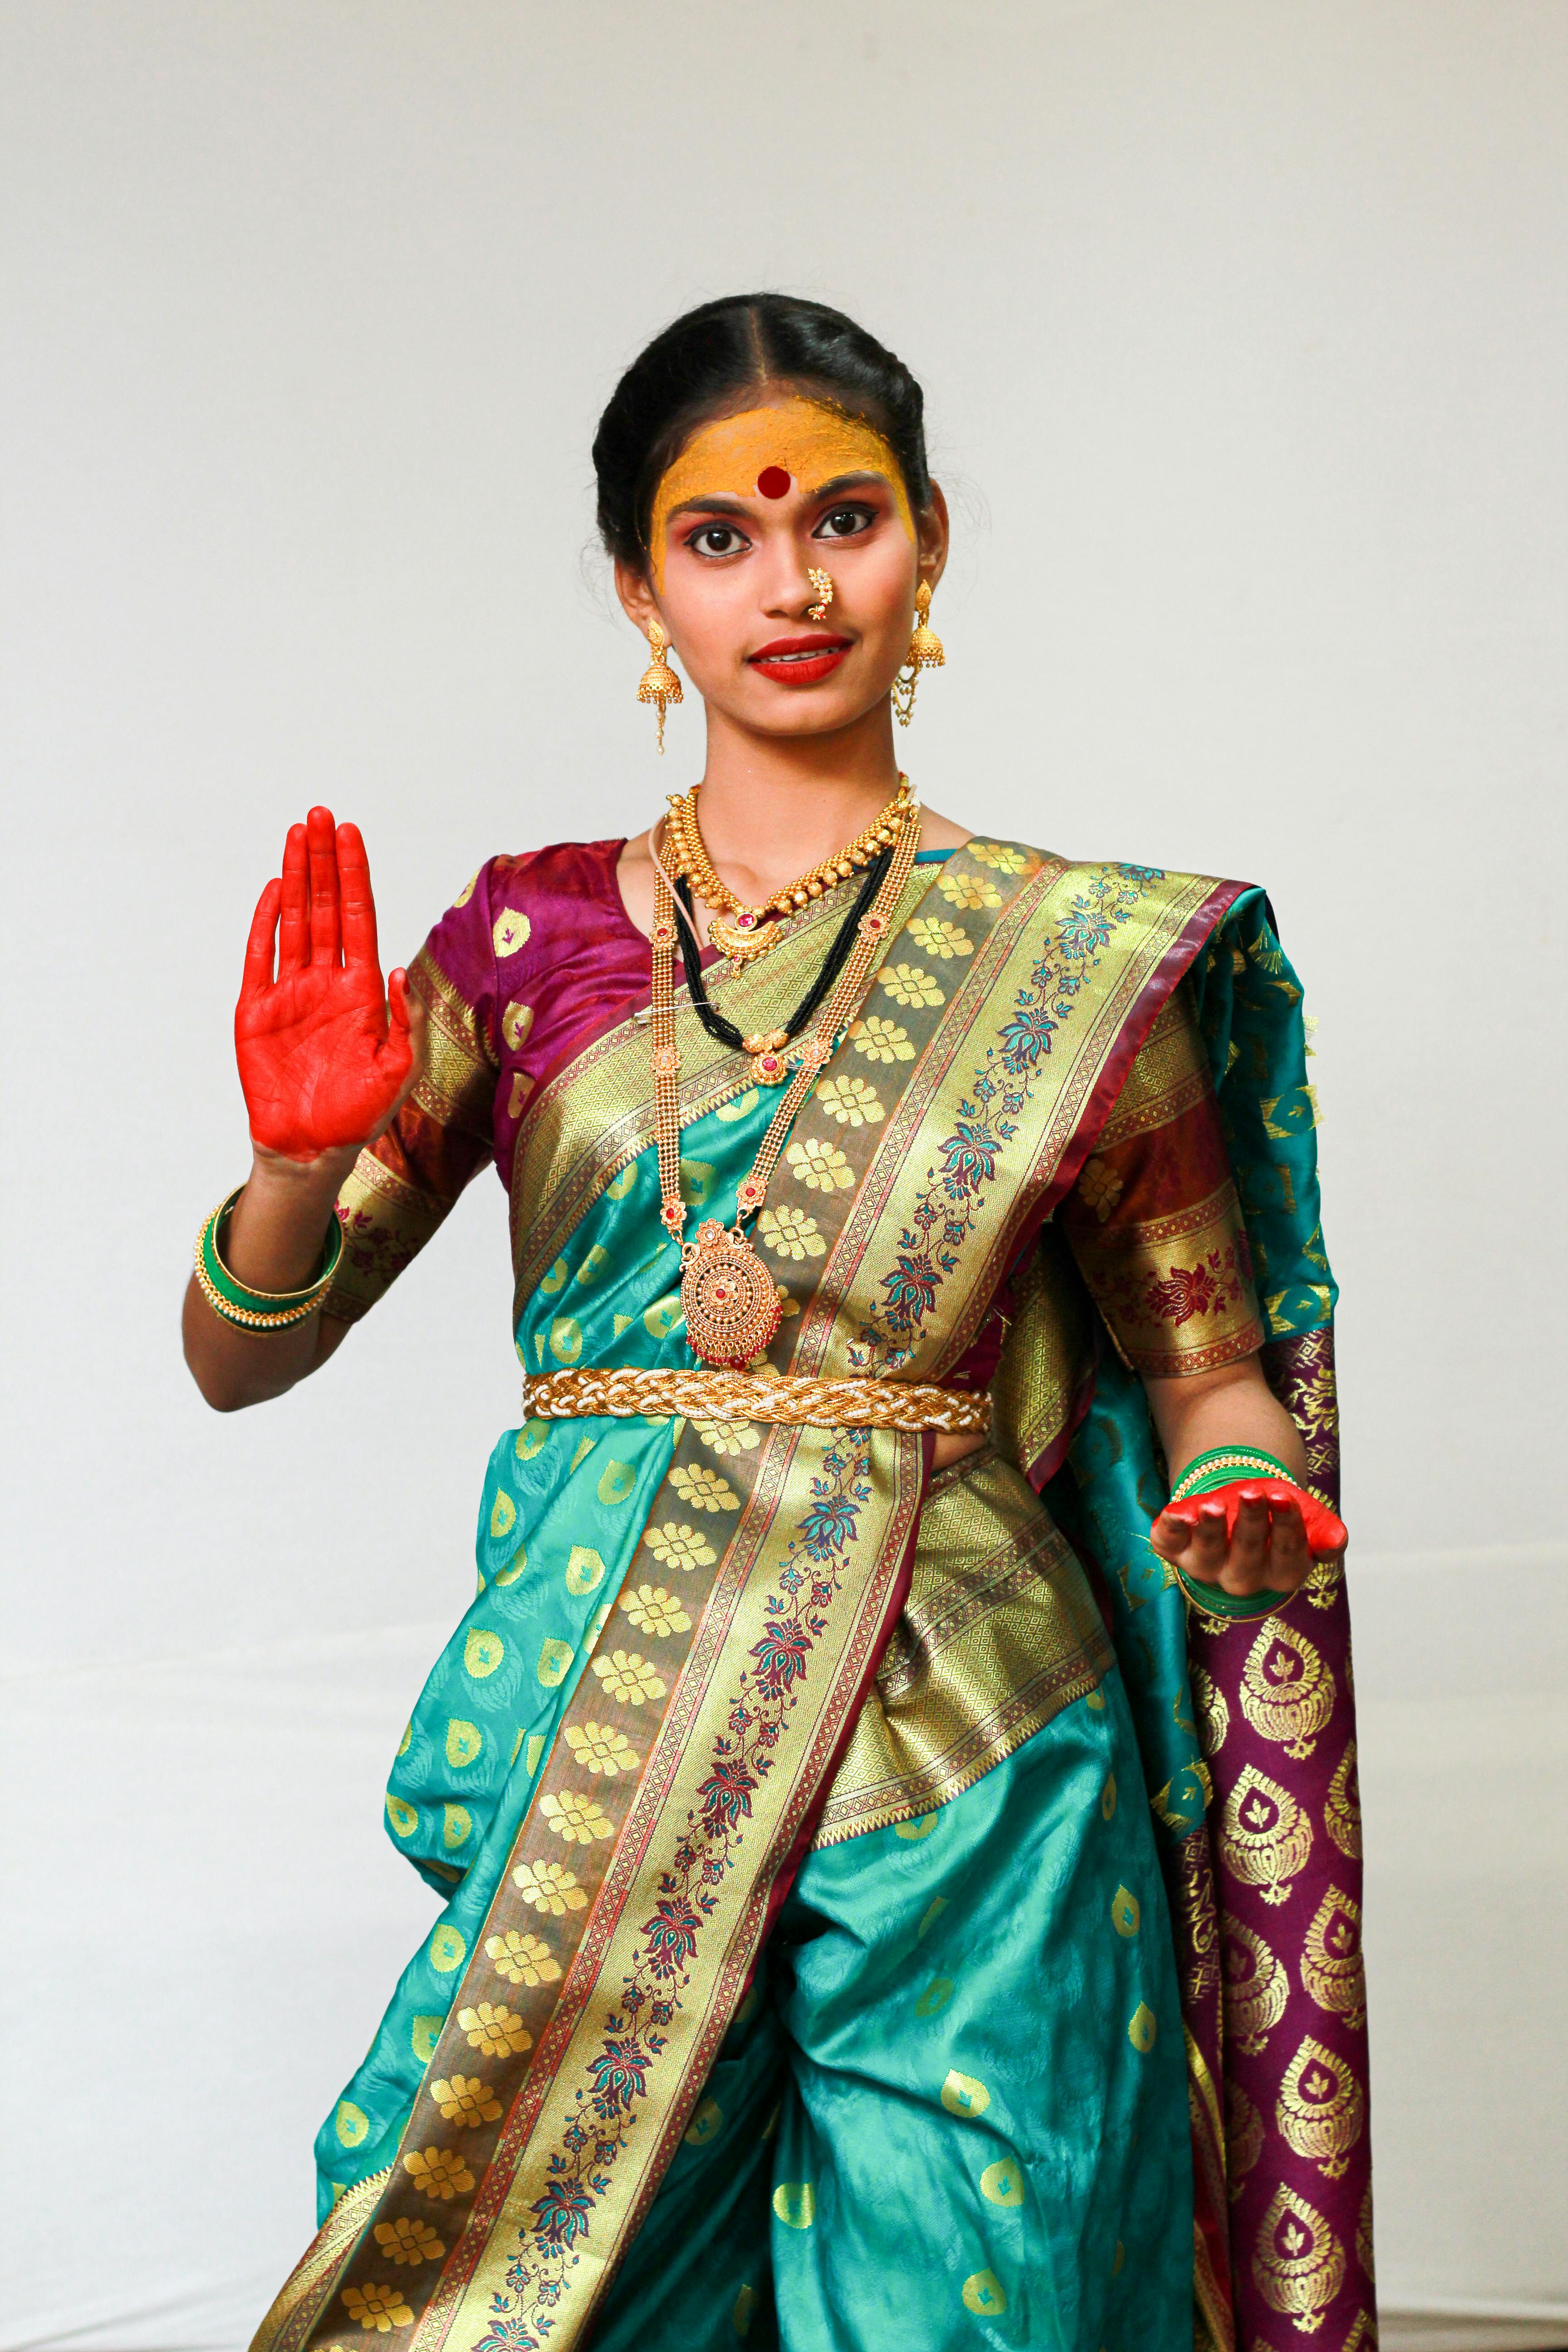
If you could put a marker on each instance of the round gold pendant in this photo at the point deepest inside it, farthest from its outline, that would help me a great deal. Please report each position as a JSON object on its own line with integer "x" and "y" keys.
{"x": 732, "y": 1301}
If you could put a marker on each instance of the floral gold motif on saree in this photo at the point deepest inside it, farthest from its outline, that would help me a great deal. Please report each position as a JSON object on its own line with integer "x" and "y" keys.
{"x": 1341, "y": 1806}
{"x": 1286, "y": 1692}
{"x": 1256, "y": 1986}
{"x": 1212, "y": 1712}
{"x": 1298, "y": 2263}
{"x": 1325, "y": 1577}
{"x": 1331, "y": 1966}
{"x": 1265, "y": 1835}
{"x": 1244, "y": 2135}
{"x": 1321, "y": 2107}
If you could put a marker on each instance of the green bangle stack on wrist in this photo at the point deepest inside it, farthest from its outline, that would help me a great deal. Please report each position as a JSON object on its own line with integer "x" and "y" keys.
{"x": 1221, "y": 1465}
{"x": 258, "y": 1310}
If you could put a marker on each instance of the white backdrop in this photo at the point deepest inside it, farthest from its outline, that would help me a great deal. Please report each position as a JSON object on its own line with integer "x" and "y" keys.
{"x": 1243, "y": 331}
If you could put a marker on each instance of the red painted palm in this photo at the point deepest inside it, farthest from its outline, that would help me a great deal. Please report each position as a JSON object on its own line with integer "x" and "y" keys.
{"x": 325, "y": 1055}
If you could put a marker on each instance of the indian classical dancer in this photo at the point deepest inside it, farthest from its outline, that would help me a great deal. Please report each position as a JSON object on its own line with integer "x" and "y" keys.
{"x": 892, "y": 1796}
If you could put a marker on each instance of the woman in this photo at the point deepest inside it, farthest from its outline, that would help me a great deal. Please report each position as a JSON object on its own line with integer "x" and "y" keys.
{"x": 910, "y": 1484}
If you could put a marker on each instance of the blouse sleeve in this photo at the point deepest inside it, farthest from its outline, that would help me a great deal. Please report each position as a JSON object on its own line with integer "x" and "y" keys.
{"x": 1153, "y": 1220}
{"x": 403, "y": 1184}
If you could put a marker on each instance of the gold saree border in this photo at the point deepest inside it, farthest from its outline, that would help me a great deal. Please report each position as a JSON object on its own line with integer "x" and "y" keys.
{"x": 1076, "y": 961}
{"x": 659, "y": 1846}
{"x": 999, "y": 1634}
{"x": 320, "y": 2266}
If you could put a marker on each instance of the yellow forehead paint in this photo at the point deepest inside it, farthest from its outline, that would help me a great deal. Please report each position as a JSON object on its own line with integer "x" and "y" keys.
{"x": 766, "y": 453}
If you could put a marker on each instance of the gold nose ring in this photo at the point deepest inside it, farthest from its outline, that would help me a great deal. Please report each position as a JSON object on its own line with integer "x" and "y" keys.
{"x": 823, "y": 587}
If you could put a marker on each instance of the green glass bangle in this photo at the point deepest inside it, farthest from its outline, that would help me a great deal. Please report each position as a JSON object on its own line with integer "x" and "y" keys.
{"x": 258, "y": 1310}
{"x": 1223, "y": 1466}
{"x": 1216, "y": 1601}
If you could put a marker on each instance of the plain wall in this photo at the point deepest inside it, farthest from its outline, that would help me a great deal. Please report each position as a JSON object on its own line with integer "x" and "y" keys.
{"x": 1244, "y": 338}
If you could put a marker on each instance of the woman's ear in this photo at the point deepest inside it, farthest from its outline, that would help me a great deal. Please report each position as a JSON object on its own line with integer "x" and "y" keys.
{"x": 638, "y": 600}
{"x": 934, "y": 531}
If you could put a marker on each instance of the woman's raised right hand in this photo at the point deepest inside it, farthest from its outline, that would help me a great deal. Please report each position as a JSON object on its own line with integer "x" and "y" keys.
{"x": 325, "y": 1057}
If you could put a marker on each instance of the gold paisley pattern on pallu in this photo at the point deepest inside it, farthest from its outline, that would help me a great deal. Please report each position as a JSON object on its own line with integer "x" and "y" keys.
{"x": 532, "y": 2210}
{"x": 1295, "y": 2040}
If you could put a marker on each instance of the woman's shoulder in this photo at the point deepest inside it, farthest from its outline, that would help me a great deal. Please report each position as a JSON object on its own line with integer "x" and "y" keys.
{"x": 515, "y": 889}
{"x": 522, "y": 913}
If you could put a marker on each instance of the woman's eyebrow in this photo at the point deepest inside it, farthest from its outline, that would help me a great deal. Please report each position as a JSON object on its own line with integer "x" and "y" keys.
{"x": 717, "y": 504}
{"x": 847, "y": 482}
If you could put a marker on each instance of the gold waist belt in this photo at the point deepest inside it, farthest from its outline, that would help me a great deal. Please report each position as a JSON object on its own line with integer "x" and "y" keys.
{"x": 748, "y": 1396}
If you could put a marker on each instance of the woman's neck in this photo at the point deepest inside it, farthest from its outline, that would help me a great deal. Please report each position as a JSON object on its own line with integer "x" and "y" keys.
{"x": 771, "y": 806}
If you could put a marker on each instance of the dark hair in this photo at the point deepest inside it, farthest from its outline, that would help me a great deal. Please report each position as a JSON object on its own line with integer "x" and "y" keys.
{"x": 695, "y": 369}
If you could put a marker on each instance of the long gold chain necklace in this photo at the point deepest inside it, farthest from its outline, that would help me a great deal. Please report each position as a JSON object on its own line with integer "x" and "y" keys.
{"x": 733, "y": 1306}
{"x": 741, "y": 931}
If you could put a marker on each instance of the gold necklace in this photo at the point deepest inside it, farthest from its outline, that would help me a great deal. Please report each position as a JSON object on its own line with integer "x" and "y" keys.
{"x": 733, "y": 1306}
{"x": 741, "y": 931}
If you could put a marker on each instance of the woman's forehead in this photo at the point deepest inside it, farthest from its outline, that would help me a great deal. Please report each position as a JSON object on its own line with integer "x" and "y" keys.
{"x": 801, "y": 445}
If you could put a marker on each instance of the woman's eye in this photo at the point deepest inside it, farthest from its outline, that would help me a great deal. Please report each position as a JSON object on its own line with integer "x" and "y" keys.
{"x": 716, "y": 538}
{"x": 844, "y": 522}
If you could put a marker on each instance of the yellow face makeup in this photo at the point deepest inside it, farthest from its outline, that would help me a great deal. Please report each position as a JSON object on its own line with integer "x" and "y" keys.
{"x": 766, "y": 453}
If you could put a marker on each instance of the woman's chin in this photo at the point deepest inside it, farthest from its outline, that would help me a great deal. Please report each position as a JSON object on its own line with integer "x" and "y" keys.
{"x": 797, "y": 711}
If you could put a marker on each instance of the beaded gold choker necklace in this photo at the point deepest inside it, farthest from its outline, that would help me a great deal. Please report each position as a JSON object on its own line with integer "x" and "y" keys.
{"x": 733, "y": 1306}
{"x": 741, "y": 931}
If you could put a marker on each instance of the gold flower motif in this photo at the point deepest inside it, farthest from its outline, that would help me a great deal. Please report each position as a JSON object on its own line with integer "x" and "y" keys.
{"x": 852, "y": 1102}
{"x": 1099, "y": 1187}
{"x": 906, "y": 983}
{"x": 439, "y": 2172}
{"x": 499, "y": 2033}
{"x": 408, "y": 2242}
{"x": 467, "y": 2099}
{"x": 881, "y": 1041}
{"x": 941, "y": 940}
{"x": 549, "y": 1886}
{"x": 581, "y": 1820}
{"x": 997, "y": 856}
{"x": 378, "y": 2304}
{"x": 656, "y": 1612}
{"x": 602, "y": 1749}
{"x": 702, "y": 1489}
{"x": 967, "y": 889}
{"x": 527, "y": 1959}
{"x": 628, "y": 1677}
{"x": 729, "y": 1436}
{"x": 679, "y": 1545}
{"x": 788, "y": 1231}
{"x": 820, "y": 1166}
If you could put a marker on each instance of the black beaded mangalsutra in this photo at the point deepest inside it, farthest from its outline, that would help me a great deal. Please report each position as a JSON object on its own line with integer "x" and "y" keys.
{"x": 725, "y": 1031}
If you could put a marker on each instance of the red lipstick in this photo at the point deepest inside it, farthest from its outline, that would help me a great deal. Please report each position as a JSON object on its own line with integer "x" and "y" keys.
{"x": 800, "y": 661}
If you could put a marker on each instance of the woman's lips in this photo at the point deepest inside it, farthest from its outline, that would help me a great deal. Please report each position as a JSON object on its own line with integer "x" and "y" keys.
{"x": 800, "y": 661}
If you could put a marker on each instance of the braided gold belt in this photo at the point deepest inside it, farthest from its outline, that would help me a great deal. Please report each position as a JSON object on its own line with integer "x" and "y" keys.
{"x": 748, "y": 1396}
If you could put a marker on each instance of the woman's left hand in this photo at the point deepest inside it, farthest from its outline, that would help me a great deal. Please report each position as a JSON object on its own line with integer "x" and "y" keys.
{"x": 1254, "y": 1536}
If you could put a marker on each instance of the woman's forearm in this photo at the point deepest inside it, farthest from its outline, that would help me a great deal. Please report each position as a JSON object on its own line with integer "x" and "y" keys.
{"x": 273, "y": 1243}
{"x": 1233, "y": 1406}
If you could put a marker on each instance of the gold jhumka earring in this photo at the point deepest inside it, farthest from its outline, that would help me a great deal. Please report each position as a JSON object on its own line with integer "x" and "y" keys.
{"x": 823, "y": 587}
{"x": 658, "y": 684}
{"x": 925, "y": 652}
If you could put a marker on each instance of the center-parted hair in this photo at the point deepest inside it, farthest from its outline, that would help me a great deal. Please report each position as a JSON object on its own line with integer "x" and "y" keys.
{"x": 704, "y": 361}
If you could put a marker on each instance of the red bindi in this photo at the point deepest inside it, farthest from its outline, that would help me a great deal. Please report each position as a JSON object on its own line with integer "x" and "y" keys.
{"x": 773, "y": 482}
